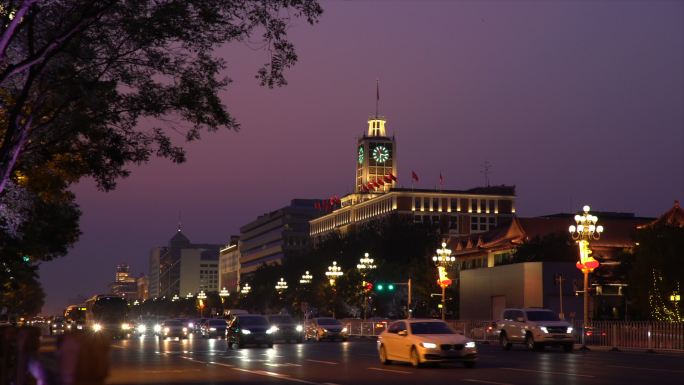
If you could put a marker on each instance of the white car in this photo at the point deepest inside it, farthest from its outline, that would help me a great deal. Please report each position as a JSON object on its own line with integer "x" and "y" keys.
{"x": 536, "y": 328}
{"x": 420, "y": 341}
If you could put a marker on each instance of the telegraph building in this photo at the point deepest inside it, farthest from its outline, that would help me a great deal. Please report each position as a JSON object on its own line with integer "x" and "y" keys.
{"x": 377, "y": 195}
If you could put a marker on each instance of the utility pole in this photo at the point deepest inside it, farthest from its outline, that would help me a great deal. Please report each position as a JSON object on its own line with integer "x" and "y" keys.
{"x": 559, "y": 281}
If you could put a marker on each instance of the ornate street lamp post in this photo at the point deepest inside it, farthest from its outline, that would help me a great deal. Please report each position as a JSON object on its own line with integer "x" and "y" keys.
{"x": 443, "y": 260}
{"x": 365, "y": 264}
{"x": 246, "y": 289}
{"x": 306, "y": 278}
{"x": 584, "y": 231}
{"x": 224, "y": 293}
{"x": 201, "y": 297}
{"x": 175, "y": 298}
{"x": 281, "y": 286}
{"x": 333, "y": 273}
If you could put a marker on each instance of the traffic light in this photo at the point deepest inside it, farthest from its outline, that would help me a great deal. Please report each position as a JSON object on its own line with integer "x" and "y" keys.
{"x": 26, "y": 259}
{"x": 384, "y": 287}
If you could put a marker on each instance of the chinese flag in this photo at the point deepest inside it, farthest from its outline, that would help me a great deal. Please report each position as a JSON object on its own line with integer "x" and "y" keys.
{"x": 414, "y": 176}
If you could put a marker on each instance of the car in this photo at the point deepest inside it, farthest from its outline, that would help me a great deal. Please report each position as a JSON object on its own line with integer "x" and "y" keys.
{"x": 326, "y": 328}
{"x": 286, "y": 328}
{"x": 146, "y": 326}
{"x": 595, "y": 336}
{"x": 173, "y": 328}
{"x": 58, "y": 326}
{"x": 421, "y": 341}
{"x": 214, "y": 328}
{"x": 249, "y": 329}
{"x": 536, "y": 328}
{"x": 487, "y": 332}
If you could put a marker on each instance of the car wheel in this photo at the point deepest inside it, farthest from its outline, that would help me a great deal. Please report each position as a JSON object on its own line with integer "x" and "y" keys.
{"x": 415, "y": 358}
{"x": 529, "y": 342}
{"x": 469, "y": 364}
{"x": 383, "y": 356}
{"x": 568, "y": 347}
{"x": 503, "y": 341}
{"x": 240, "y": 344}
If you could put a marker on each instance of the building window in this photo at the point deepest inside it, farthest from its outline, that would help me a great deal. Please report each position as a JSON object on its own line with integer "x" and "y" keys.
{"x": 474, "y": 223}
{"x": 453, "y": 222}
{"x": 426, "y": 204}
{"x": 435, "y": 204}
{"x": 473, "y": 205}
{"x": 452, "y": 204}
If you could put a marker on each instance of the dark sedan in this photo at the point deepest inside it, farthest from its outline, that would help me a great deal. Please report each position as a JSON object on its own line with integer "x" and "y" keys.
{"x": 286, "y": 329}
{"x": 214, "y": 328}
{"x": 173, "y": 328}
{"x": 249, "y": 329}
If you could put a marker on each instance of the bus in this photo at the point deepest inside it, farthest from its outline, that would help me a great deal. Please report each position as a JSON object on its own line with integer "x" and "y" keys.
{"x": 75, "y": 317}
{"x": 107, "y": 314}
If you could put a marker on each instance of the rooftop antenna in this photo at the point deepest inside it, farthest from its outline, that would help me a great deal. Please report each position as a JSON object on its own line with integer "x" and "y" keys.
{"x": 179, "y": 221}
{"x": 486, "y": 170}
{"x": 377, "y": 98}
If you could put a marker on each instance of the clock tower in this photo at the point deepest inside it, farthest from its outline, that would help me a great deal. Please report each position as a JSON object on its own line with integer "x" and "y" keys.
{"x": 376, "y": 163}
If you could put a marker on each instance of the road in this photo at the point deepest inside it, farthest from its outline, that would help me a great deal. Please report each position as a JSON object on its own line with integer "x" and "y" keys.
{"x": 198, "y": 361}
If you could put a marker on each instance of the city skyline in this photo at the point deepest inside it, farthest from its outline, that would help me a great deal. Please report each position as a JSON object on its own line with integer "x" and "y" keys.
{"x": 529, "y": 106}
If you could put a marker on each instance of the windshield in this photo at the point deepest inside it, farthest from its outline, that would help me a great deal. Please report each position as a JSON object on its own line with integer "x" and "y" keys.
{"x": 110, "y": 309}
{"x": 173, "y": 323}
{"x": 280, "y": 319}
{"x": 542, "y": 315}
{"x": 430, "y": 328}
{"x": 217, "y": 322}
{"x": 328, "y": 321}
{"x": 253, "y": 321}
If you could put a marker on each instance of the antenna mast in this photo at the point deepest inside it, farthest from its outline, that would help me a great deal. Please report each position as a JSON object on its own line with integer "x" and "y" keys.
{"x": 486, "y": 167}
{"x": 377, "y": 97}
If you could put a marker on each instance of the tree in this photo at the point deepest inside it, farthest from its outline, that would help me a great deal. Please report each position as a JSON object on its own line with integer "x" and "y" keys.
{"x": 78, "y": 76}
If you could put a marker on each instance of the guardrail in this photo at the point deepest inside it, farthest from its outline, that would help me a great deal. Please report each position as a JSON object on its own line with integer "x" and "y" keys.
{"x": 647, "y": 335}
{"x": 361, "y": 328}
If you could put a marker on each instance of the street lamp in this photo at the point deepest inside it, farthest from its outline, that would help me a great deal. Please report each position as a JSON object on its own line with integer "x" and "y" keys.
{"x": 333, "y": 273}
{"x": 201, "y": 297}
{"x": 306, "y": 278}
{"x": 224, "y": 293}
{"x": 364, "y": 265}
{"x": 281, "y": 285}
{"x": 188, "y": 296}
{"x": 443, "y": 260}
{"x": 584, "y": 231}
{"x": 675, "y": 297}
{"x": 175, "y": 298}
{"x": 246, "y": 289}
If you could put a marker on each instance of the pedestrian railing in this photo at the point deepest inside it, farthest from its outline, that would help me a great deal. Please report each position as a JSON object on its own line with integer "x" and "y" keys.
{"x": 361, "y": 328}
{"x": 648, "y": 335}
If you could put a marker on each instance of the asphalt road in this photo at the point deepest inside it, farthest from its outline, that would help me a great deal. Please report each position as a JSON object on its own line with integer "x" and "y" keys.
{"x": 198, "y": 361}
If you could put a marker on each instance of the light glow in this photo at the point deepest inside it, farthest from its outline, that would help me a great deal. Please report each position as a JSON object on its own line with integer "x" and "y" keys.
{"x": 470, "y": 344}
{"x": 428, "y": 345}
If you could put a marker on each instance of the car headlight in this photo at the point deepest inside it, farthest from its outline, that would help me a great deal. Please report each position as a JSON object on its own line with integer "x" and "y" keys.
{"x": 569, "y": 331}
{"x": 324, "y": 330}
{"x": 272, "y": 330}
{"x": 299, "y": 328}
{"x": 191, "y": 325}
{"x": 97, "y": 327}
{"x": 470, "y": 345}
{"x": 69, "y": 327}
{"x": 212, "y": 329}
{"x": 344, "y": 330}
{"x": 544, "y": 329}
{"x": 79, "y": 327}
{"x": 142, "y": 329}
{"x": 125, "y": 326}
{"x": 166, "y": 330}
{"x": 185, "y": 330}
{"x": 157, "y": 328}
{"x": 428, "y": 345}
{"x": 246, "y": 331}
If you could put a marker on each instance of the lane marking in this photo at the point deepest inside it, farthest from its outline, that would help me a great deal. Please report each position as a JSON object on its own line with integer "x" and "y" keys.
{"x": 276, "y": 375}
{"x": 485, "y": 382}
{"x": 323, "y": 362}
{"x": 548, "y": 372}
{"x": 390, "y": 370}
{"x": 651, "y": 369}
{"x": 221, "y": 364}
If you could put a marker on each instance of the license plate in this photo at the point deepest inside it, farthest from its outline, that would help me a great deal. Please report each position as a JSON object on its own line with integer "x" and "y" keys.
{"x": 560, "y": 337}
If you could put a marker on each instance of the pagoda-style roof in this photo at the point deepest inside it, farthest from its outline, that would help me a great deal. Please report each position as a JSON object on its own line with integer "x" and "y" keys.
{"x": 619, "y": 231}
{"x": 673, "y": 217}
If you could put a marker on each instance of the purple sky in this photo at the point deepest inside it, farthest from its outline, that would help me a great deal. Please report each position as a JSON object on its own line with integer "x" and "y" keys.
{"x": 574, "y": 102}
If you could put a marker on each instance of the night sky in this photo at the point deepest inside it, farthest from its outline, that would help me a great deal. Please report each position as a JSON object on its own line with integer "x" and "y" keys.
{"x": 574, "y": 102}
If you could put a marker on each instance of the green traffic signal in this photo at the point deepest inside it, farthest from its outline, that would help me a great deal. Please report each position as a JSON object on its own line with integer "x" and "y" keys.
{"x": 26, "y": 259}
{"x": 380, "y": 287}
{"x": 383, "y": 287}
{"x": 390, "y": 287}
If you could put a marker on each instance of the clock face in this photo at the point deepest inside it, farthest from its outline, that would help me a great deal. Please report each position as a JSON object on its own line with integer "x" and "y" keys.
{"x": 381, "y": 154}
{"x": 360, "y": 155}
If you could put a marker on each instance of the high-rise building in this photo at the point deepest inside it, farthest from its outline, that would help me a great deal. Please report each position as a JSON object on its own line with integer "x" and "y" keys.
{"x": 183, "y": 267}
{"x": 272, "y": 236}
{"x": 229, "y": 265}
{"x": 143, "y": 284}
{"x": 124, "y": 284}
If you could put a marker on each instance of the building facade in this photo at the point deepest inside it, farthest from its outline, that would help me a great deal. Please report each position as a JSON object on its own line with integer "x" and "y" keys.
{"x": 376, "y": 196}
{"x": 143, "y": 283}
{"x": 124, "y": 284}
{"x": 272, "y": 236}
{"x": 183, "y": 267}
{"x": 229, "y": 265}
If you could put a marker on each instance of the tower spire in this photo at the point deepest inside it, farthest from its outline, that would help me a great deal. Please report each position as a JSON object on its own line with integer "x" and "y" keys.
{"x": 179, "y": 221}
{"x": 377, "y": 97}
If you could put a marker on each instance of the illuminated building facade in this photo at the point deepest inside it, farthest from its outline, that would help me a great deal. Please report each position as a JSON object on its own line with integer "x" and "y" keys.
{"x": 229, "y": 265}
{"x": 376, "y": 196}
{"x": 124, "y": 284}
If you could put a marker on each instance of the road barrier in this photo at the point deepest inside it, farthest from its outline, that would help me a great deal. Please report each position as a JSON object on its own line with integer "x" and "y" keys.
{"x": 367, "y": 328}
{"x": 646, "y": 335}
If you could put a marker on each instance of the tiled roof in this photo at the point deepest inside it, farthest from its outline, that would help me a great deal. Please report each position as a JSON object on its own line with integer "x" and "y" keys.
{"x": 673, "y": 217}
